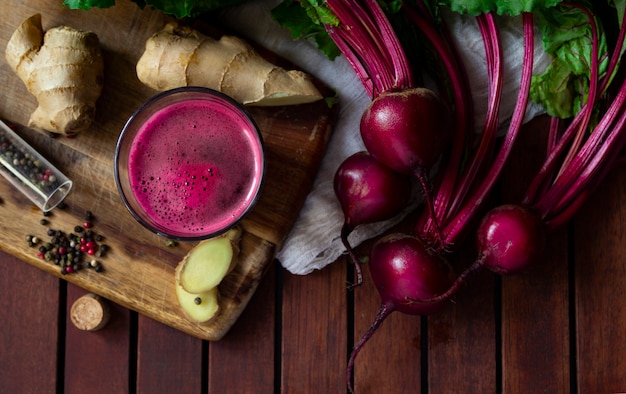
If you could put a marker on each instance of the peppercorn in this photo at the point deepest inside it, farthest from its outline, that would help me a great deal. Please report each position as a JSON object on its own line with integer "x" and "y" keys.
{"x": 197, "y": 300}
{"x": 78, "y": 229}
{"x": 43, "y": 221}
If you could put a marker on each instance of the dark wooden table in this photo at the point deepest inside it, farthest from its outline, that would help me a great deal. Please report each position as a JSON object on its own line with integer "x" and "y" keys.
{"x": 557, "y": 329}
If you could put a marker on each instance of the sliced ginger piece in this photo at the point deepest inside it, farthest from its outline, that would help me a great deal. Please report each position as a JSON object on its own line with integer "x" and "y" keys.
{"x": 206, "y": 265}
{"x": 181, "y": 56}
{"x": 199, "y": 308}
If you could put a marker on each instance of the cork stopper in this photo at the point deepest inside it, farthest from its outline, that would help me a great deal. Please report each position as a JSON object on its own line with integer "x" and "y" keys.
{"x": 90, "y": 312}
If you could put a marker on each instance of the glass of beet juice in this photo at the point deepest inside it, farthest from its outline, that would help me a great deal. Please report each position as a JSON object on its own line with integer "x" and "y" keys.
{"x": 189, "y": 163}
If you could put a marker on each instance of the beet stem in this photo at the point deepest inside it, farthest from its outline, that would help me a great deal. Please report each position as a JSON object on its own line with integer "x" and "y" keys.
{"x": 476, "y": 265}
{"x": 462, "y": 106}
{"x": 345, "y": 231}
{"x": 591, "y": 95}
{"x": 456, "y": 227}
{"x": 489, "y": 134}
{"x": 381, "y": 315}
{"x": 424, "y": 182}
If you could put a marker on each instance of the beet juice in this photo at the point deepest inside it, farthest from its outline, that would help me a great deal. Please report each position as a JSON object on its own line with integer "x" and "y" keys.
{"x": 194, "y": 168}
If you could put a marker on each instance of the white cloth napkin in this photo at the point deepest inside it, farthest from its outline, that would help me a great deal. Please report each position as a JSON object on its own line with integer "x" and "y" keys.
{"x": 314, "y": 240}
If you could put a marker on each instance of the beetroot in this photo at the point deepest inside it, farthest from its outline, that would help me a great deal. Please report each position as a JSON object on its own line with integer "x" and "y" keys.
{"x": 368, "y": 192}
{"x": 510, "y": 239}
{"x": 406, "y": 130}
{"x": 403, "y": 270}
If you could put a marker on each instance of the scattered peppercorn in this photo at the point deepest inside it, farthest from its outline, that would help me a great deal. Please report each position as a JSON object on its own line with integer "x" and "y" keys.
{"x": 69, "y": 250}
{"x": 197, "y": 300}
{"x": 43, "y": 221}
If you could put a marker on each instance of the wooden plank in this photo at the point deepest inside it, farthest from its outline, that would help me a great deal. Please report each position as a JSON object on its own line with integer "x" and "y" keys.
{"x": 535, "y": 325}
{"x": 461, "y": 339}
{"x": 390, "y": 361}
{"x": 600, "y": 289}
{"x": 139, "y": 272}
{"x": 313, "y": 333}
{"x": 168, "y": 361}
{"x": 29, "y": 300}
{"x": 535, "y": 305}
{"x": 245, "y": 360}
{"x": 106, "y": 352}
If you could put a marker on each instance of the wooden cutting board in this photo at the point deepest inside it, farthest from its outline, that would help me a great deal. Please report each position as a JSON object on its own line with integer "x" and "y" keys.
{"x": 139, "y": 268}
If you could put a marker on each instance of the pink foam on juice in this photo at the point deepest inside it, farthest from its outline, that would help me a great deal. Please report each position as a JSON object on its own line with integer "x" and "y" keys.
{"x": 195, "y": 167}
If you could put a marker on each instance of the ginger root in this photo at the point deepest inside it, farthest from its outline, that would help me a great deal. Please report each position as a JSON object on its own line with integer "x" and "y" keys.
{"x": 181, "y": 56}
{"x": 199, "y": 274}
{"x": 63, "y": 69}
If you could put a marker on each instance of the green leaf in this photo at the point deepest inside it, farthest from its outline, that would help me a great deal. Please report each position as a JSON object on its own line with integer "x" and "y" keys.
{"x": 178, "y": 9}
{"x": 87, "y": 4}
{"x": 500, "y": 7}
{"x": 566, "y": 35}
{"x": 305, "y": 20}
{"x": 190, "y": 8}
